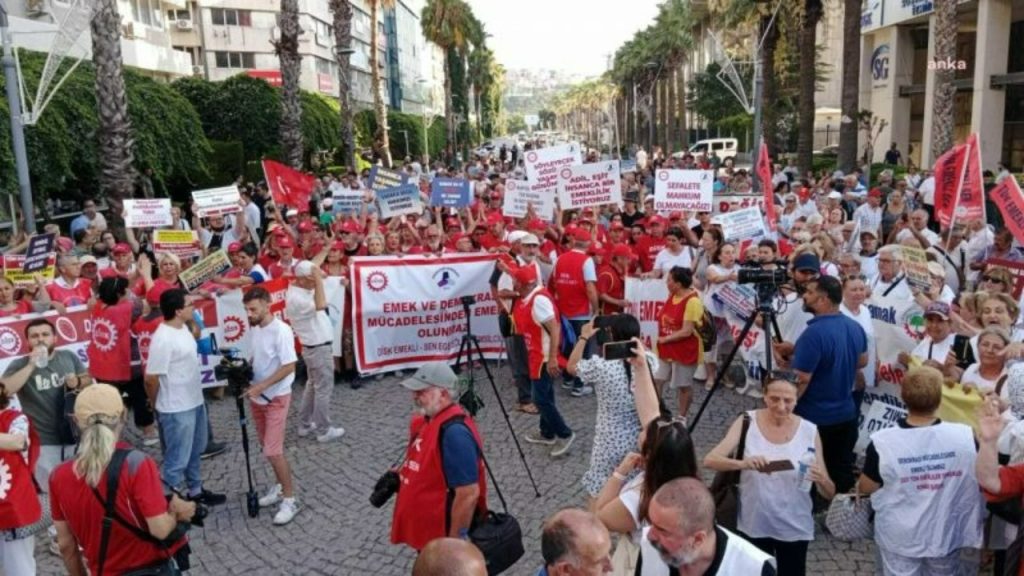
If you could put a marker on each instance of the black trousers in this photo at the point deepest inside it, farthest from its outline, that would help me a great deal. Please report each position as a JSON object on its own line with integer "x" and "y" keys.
{"x": 790, "y": 557}
{"x": 837, "y": 442}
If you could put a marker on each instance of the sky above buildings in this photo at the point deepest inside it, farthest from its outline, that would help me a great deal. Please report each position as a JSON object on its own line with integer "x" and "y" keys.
{"x": 569, "y": 35}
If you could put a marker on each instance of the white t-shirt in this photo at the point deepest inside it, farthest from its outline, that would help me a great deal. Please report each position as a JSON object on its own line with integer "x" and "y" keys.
{"x": 972, "y": 377}
{"x": 543, "y": 311}
{"x": 666, "y": 260}
{"x": 273, "y": 346}
{"x": 312, "y": 326}
{"x": 927, "y": 191}
{"x": 864, "y": 319}
{"x": 930, "y": 236}
{"x": 228, "y": 236}
{"x": 174, "y": 357}
{"x": 928, "y": 350}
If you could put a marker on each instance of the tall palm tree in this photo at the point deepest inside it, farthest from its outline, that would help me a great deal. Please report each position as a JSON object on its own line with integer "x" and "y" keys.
{"x": 850, "y": 92}
{"x": 380, "y": 138}
{"x": 342, "y": 12}
{"x": 287, "y": 48}
{"x": 116, "y": 142}
{"x": 813, "y": 10}
{"x": 481, "y": 68}
{"x": 945, "y": 92}
{"x": 447, "y": 24}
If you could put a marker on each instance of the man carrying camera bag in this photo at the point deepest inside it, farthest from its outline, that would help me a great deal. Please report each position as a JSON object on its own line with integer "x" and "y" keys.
{"x": 442, "y": 487}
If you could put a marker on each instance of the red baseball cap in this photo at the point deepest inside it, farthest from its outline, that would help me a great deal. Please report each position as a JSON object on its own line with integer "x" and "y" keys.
{"x": 305, "y": 226}
{"x": 351, "y": 227}
{"x": 495, "y": 195}
{"x": 525, "y": 274}
{"x": 121, "y": 248}
{"x": 236, "y": 247}
{"x": 285, "y": 242}
{"x": 621, "y": 250}
{"x": 655, "y": 221}
{"x": 495, "y": 218}
{"x": 453, "y": 221}
{"x": 617, "y": 225}
{"x": 581, "y": 235}
{"x": 536, "y": 225}
{"x": 875, "y": 193}
{"x": 338, "y": 245}
{"x": 677, "y": 215}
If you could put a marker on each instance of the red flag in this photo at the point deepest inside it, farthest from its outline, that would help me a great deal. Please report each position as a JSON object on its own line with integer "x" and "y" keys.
{"x": 1008, "y": 198}
{"x": 288, "y": 186}
{"x": 972, "y": 194}
{"x": 764, "y": 173}
{"x": 949, "y": 178}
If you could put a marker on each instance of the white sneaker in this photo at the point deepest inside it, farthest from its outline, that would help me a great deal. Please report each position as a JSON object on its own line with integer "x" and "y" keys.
{"x": 305, "y": 430}
{"x": 333, "y": 433}
{"x": 151, "y": 440}
{"x": 273, "y": 496}
{"x": 289, "y": 508}
{"x": 701, "y": 373}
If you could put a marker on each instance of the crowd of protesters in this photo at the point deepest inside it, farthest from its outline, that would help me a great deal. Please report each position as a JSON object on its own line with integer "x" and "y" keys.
{"x": 560, "y": 289}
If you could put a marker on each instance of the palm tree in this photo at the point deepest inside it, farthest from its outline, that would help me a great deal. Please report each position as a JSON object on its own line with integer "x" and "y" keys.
{"x": 342, "y": 11}
{"x": 672, "y": 41}
{"x": 380, "y": 111}
{"x": 813, "y": 10}
{"x": 287, "y": 48}
{"x": 481, "y": 66}
{"x": 447, "y": 23}
{"x": 116, "y": 142}
{"x": 850, "y": 98}
{"x": 945, "y": 91}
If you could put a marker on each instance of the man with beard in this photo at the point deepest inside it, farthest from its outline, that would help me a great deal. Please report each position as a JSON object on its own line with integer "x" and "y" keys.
{"x": 216, "y": 234}
{"x": 826, "y": 358}
{"x": 443, "y": 484}
{"x": 684, "y": 532}
{"x": 270, "y": 395}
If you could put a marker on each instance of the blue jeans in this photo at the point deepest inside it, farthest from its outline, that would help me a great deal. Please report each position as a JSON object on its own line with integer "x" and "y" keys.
{"x": 183, "y": 436}
{"x": 551, "y": 423}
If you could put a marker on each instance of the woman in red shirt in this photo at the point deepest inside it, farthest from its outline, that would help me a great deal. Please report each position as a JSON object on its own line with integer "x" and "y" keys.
{"x": 11, "y": 304}
{"x": 679, "y": 346}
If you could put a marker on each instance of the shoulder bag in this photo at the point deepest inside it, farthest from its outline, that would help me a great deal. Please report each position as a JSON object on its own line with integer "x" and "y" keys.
{"x": 725, "y": 487}
{"x": 849, "y": 517}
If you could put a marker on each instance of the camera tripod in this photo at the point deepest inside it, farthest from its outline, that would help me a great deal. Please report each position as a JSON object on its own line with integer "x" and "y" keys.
{"x": 469, "y": 398}
{"x": 766, "y": 293}
{"x": 252, "y": 501}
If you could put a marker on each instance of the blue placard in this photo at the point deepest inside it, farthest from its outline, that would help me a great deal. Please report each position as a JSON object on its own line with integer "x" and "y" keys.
{"x": 450, "y": 192}
{"x": 37, "y": 255}
{"x": 383, "y": 178}
{"x": 399, "y": 201}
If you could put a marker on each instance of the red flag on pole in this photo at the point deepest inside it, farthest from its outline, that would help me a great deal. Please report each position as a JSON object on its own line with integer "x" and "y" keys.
{"x": 949, "y": 179}
{"x": 972, "y": 194}
{"x": 1008, "y": 198}
{"x": 288, "y": 186}
{"x": 764, "y": 174}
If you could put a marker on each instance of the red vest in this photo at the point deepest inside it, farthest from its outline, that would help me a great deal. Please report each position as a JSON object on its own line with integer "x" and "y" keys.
{"x": 685, "y": 351}
{"x": 110, "y": 343}
{"x": 422, "y": 507}
{"x": 19, "y": 504}
{"x": 143, "y": 331}
{"x": 568, "y": 285}
{"x": 76, "y": 296}
{"x": 532, "y": 332}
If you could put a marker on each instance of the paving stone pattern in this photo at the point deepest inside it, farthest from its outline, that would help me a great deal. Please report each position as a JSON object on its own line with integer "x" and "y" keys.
{"x": 339, "y": 532}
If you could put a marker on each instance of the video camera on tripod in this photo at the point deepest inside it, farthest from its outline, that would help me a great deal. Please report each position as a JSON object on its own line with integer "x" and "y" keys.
{"x": 766, "y": 281}
{"x": 235, "y": 369}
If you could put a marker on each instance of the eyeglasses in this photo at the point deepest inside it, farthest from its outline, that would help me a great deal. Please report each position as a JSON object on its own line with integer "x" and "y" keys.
{"x": 886, "y": 260}
{"x": 851, "y": 277}
{"x": 784, "y": 375}
{"x": 993, "y": 279}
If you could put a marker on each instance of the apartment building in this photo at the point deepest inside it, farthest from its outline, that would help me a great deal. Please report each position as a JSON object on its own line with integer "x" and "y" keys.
{"x": 145, "y": 33}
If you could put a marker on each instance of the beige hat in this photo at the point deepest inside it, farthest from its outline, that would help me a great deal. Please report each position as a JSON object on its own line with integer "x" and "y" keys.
{"x": 303, "y": 269}
{"x": 98, "y": 399}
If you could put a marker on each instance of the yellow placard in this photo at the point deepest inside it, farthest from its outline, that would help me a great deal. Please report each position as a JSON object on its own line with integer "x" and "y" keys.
{"x": 960, "y": 405}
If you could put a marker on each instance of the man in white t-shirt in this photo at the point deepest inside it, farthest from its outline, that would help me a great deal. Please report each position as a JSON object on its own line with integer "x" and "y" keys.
{"x": 174, "y": 388}
{"x": 306, "y": 307}
{"x": 270, "y": 395}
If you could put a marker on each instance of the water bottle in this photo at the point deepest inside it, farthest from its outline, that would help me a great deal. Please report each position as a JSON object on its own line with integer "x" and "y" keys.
{"x": 804, "y": 469}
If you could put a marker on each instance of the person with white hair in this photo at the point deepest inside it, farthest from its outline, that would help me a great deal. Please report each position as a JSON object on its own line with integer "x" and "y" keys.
{"x": 891, "y": 279}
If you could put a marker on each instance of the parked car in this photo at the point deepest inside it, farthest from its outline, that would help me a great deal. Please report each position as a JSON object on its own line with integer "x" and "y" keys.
{"x": 723, "y": 147}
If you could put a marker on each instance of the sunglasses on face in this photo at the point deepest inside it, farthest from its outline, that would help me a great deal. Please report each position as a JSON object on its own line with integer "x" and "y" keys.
{"x": 993, "y": 279}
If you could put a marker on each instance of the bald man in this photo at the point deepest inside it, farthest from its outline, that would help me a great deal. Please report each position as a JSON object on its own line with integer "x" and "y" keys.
{"x": 683, "y": 531}
{"x": 450, "y": 557}
{"x": 574, "y": 542}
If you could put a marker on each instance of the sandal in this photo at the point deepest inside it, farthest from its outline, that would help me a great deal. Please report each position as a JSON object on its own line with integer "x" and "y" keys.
{"x": 528, "y": 408}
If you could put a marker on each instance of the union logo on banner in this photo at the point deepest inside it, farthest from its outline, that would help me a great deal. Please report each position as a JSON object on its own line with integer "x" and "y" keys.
{"x": 10, "y": 341}
{"x": 376, "y": 281}
{"x": 445, "y": 278}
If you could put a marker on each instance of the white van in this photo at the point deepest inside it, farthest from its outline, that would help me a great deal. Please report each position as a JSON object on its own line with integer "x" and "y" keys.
{"x": 723, "y": 147}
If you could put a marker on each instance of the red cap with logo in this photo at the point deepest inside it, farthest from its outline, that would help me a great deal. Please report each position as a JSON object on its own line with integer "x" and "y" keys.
{"x": 285, "y": 242}
{"x": 305, "y": 227}
{"x": 351, "y": 227}
{"x": 237, "y": 247}
{"x": 121, "y": 248}
{"x": 677, "y": 215}
{"x": 581, "y": 235}
{"x": 623, "y": 251}
{"x": 525, "y": 274}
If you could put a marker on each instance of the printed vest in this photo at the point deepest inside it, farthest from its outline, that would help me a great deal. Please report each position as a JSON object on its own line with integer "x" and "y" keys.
{"x": 110, "y": 346}
{"x": 568, "y": 285}
{"x": 19, "y": 504}
{"x": 531, "y": 331}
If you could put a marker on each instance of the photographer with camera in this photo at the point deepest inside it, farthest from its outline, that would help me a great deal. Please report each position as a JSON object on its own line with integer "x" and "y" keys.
{"x": 270, "y": 395}
{"x": 175, "y": 391}
{"x": 443, "y": 487}
{"x": 107, "y": 479}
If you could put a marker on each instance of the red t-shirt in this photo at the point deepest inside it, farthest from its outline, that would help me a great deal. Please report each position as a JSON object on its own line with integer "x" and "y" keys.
{"x": 79, "y": 294}
{"x": 647, "y": 248}
{"x": 20, "y": 307}
{"x": 139, "y": 496}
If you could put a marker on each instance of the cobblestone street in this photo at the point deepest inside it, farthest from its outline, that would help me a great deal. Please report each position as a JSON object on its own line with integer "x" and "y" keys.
{"x": 339, "y": 532}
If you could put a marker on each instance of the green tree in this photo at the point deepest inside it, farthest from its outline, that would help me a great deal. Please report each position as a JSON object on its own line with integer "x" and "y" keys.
{"x": 341, "y": 11}
{"x": 380, "y": 139}
{"x": 709, "y": 99}
{"x": 449, "y": 25}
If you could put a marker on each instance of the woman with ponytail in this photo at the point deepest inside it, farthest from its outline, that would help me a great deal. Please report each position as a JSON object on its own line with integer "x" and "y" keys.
{"x": 79, "y": 491}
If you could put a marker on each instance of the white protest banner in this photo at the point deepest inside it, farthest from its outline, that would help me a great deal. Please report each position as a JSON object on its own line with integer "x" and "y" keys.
{"x": 334, "y": 294}
{"x": 233, "y": 322}
{"x": 729, "y": 202}
{"x": 400, "y": 200}
{"x": 587, "y": 185}
{"x": 882, "y": 408}
{"x": 407, "y": 310}
{"x": 683, "y": 190}
{"x": 542, "y": 165}
{"x": 346, "y": 201}
{"x": 73, "y": 334}
{"x": 147, "y": 212}
{"x": 899, "y": 325}
{"x": 217, "y": 201}
{"x": 742, "y": 224}
{"x": 519, "y": 193}
{"x": 646, "y": 298}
